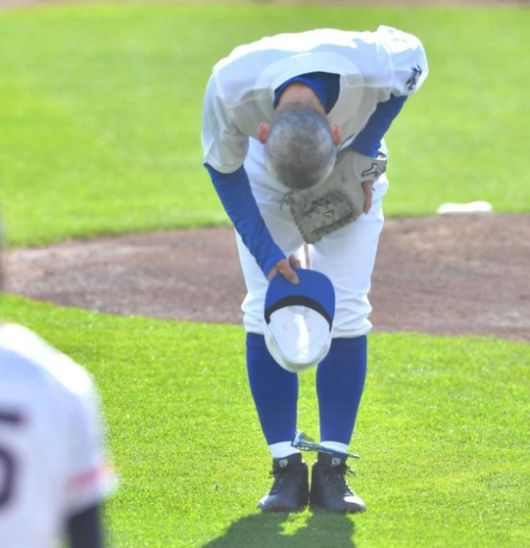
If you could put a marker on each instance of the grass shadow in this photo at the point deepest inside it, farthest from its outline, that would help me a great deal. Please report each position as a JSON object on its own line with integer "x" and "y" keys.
{"x": 289, "y": 530}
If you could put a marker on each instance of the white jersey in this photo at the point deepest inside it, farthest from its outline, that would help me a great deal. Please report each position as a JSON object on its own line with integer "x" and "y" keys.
{"x": 240, "y": 92}
{"x": 52, "y": 459}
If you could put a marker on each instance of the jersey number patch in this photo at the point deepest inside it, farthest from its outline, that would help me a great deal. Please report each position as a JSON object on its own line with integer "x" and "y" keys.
{"x": 7, "y": 476}
{"x": 7, "y": 460}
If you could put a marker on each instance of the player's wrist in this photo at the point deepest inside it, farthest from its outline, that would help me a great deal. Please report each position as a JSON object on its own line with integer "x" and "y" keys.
{"x": 271, "y": 261}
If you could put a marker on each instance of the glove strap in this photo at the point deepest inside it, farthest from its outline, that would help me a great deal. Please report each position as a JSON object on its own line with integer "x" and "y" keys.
{"x": 366, "y": 168}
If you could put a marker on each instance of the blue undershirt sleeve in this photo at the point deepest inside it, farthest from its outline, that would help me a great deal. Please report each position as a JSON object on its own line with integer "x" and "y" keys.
{"x": 368, "y": 141}
{"x": 236, "y": 196}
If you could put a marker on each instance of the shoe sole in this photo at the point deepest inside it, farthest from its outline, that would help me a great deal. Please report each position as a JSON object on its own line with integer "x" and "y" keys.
{"x": 284, "y": 510}
{"x": 318, "y": 508}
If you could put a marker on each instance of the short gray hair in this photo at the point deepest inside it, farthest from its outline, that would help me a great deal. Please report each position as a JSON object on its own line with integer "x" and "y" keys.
{"x": 299, "y": 150}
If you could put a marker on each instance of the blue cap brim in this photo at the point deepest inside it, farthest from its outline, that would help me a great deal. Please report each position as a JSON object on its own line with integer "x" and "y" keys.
{"x": 314, "y": 291}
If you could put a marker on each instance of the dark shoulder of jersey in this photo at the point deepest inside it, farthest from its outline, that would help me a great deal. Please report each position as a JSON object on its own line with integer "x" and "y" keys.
{"x": 325, "y": 86}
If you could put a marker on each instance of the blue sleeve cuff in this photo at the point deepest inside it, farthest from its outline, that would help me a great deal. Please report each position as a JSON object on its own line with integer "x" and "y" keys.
{"x": 236, "y": 196}
{"x": 368, "y": 141}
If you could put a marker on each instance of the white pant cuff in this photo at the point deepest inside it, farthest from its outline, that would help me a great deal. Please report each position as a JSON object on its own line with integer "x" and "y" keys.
{"x": 335, "y": 446}
{"x": 282, "y": 449}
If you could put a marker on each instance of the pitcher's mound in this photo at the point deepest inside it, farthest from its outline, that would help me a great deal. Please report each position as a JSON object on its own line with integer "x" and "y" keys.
{"x": 463, "y": 274}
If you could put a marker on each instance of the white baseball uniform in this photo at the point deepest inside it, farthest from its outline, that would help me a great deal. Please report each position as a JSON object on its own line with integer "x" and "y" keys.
{"x": 52, "y": 455}
{"x": 373, "y": 66}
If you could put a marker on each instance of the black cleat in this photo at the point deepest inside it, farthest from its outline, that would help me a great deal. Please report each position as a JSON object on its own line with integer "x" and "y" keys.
{"x": 329, "y": 490}
{"x": 290, "y": 491}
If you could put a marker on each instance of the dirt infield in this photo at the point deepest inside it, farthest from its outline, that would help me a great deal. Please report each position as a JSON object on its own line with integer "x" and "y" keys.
{"x": 459, "y": 274}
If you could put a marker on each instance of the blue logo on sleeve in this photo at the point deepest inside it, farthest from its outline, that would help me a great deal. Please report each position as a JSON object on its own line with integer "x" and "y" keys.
{"x": 413, "y": 78}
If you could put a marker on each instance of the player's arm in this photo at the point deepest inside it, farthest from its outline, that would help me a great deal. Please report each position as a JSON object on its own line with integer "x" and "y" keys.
{"x": 84, "y": 529}
{"x": 401, "y": 70}
{"x": 368, "y": 140}
{"x": 406, "y": 70}
{"x": 240, "y": 205}
{"x": 89, "y": 478}
{"x": 225, "y": 148}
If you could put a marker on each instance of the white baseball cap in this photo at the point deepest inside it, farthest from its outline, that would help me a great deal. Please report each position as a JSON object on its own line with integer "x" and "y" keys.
{"x": 299, "y": 319}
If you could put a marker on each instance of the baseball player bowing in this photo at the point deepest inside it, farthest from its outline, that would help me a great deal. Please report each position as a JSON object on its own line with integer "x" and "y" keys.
{"x": 53, "y": 467}
{"x": 293, "y": 129}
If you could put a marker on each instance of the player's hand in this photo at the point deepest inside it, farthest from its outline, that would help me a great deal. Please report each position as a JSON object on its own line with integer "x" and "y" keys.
{"x": 285, "y": 268}
{"x": 368, "y": 189}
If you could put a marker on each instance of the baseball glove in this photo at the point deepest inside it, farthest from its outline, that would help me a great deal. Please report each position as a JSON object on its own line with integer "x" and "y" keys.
{"x": 337, "y": 201}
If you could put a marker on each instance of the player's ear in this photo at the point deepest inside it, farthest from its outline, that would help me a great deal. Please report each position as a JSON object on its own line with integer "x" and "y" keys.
{"x": 335, "y": 132}
{"x": 263, "y": 132}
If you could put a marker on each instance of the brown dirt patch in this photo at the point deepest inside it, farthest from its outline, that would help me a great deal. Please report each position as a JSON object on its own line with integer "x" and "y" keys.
{"x": 459, "y": 274}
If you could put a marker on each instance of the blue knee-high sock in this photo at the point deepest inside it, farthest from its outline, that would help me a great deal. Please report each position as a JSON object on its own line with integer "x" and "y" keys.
{"x": 275, "y": 392}
{"x": 340, "y": 383}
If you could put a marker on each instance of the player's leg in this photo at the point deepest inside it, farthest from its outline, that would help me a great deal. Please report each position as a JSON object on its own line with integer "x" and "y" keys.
{"x": 274, "y": 390}
{"x": 347, "y": 257}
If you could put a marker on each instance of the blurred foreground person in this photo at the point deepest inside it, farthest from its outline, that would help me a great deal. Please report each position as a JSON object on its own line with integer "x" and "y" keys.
{"x": 53, "y": 468}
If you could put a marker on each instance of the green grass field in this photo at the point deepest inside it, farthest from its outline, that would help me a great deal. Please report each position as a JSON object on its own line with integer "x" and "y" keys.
{"x": 100, "y": 111}
{"x": 443, "y": 435}
{"x": 100, "y": 122}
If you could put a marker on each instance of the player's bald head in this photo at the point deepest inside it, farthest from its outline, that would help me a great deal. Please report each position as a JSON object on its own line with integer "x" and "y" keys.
{"x": 300, "y": 150}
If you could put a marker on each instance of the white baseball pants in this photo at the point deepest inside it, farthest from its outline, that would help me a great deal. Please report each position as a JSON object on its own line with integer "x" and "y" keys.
{"x": 346, "y": 256}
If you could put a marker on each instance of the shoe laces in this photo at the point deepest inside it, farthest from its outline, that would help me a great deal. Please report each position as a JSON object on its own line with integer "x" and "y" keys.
{"x": 336, "y": 477}
{"x": 281, "y": 477}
